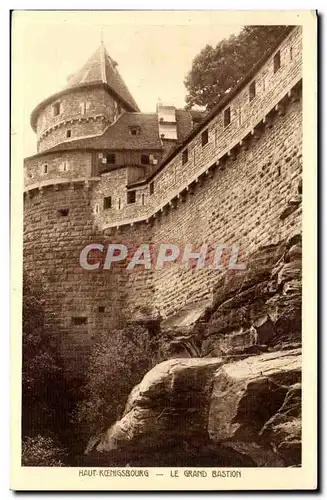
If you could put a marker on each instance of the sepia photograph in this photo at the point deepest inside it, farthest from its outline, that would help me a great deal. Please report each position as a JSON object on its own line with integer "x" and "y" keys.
{"x": 161, "y": 301}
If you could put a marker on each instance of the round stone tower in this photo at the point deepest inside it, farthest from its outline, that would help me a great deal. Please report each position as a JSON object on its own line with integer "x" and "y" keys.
{"x": 58, "y": 215}
{"x": 94, "y": 98}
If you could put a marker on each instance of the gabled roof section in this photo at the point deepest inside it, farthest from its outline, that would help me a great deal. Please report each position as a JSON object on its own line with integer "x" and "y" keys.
{"x": 118, "y": 135}
{"x": 101, "y": 68}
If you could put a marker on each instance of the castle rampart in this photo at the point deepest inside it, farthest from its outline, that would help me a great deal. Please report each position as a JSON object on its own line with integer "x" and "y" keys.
{"x": 272, "y": 89}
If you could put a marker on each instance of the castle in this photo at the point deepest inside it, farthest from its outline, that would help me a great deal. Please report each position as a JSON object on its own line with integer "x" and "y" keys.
{"x": 104, "y": 171}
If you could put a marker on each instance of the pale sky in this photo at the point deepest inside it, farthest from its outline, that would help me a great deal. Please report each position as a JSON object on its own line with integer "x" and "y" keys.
{"x": 153, "y": 59}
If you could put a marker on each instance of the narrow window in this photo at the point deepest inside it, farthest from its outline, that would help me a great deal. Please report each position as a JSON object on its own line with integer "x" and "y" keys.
{"x": 119, "y": 203}
{"x": 276, "y": 61}
{"x": 107, "y": 202}
{"x": 111, "y": 158}
{"x": 131, "y": 197}
{"x": 63, "y": 212}
{"x": 145, "y": 159}
{"x": 101, "y": 309}
{"x": 151, "y": 188}
{"x": 84, "y": 106}
{"x": 56, "y": 109}
{"x": 65, "y": 166}
{"x": 69, "y": 133}
{"x": 143, "y": 198}
{"x": 96, "y": 208}
{"x": 44, "y": 169}
{"x": 240, "y": 117}
{"x": 291, "y": 53}
{"x": 79, "y": 320}
{"x": 204, "y": 137}
{"x": 185, "y": 156}
{"x": 252, "y": 91}
{"x": 226, "y": 117}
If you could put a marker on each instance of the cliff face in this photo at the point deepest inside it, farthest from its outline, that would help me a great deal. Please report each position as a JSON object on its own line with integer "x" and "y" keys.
{"x": 231, "y": 393}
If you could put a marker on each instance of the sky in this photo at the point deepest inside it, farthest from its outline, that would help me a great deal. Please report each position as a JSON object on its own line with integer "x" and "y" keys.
{"x": 153, "y": 56}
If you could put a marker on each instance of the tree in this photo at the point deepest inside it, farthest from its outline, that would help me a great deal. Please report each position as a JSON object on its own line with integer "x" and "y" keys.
{"x": 216, "y": 70}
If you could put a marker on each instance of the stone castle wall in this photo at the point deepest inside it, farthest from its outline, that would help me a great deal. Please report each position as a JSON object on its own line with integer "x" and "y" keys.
{"x": 52, "y": 245}
{"x": 176, "y": 176}
{"x": 243, "y": 203}
{"x": 60, "y": 167}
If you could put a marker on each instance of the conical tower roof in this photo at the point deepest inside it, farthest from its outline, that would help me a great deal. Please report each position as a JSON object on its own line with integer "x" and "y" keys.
{"x": 103, "y": 69}
{"x": 100, "y": 69}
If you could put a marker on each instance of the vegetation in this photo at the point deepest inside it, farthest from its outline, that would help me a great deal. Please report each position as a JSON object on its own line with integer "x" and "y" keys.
{"x": 59, "y": 415}
{"x": 39, "y": 451}
{"x": 42, "y": 383}
{"x": 118, "y": 362}
{"x": 216, "y": 70}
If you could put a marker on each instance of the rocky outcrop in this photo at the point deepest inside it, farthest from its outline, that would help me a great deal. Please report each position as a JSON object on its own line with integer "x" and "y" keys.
{"x": 239, "y": 414}
{"x": 258, "y": 307}
{"x": 231, "y": 393}
{"x": 255, "y": 405}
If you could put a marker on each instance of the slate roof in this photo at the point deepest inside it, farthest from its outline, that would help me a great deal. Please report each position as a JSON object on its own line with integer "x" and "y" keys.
{"x": 100, "y": 69}
{"x": 103, "y": 69}
{"x": 183, "y": 122}
{"x": 117, "y": 136}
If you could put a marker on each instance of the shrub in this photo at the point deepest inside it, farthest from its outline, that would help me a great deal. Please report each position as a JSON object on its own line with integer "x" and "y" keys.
{"x": 39, "y": 451}
{"x": 117, "y": 363}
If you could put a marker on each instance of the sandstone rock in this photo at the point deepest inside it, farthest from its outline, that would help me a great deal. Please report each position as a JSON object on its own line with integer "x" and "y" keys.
{"x": 283, "y": 430}
{"x": 203, "y": 412}
{"x": 247, "y": 393}
{"x": 169, "y": 405}
{"x": 264, "y": 299}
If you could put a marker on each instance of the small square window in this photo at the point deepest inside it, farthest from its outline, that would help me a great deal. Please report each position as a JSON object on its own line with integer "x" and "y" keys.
{"x": 69, "y": 133}
{"x": 145, "y": 159}
{"x": 276, "y": 61}
{"x": 185, "y": 156}
{"x": 226, "y": 117}
{"x": 111, "y": 158}
{"x": 252, "y": 91}
{"x": 56, "y": 109}
{"x": 205, "y": 137}
{"x": 107, "y": 202}
{"x": 63, "y": 212}
{"x": 101, "y": 309}
{"x": 131, "y": 197}
{"x": 79, "y": 320}
{"x": 151, "y": 187}
{"x": 134, "y": 130}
